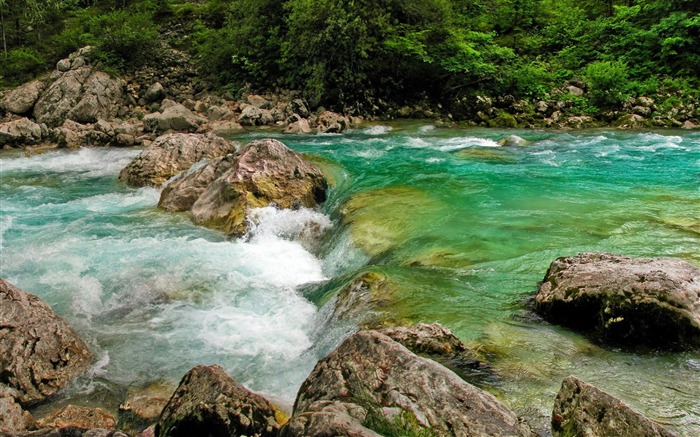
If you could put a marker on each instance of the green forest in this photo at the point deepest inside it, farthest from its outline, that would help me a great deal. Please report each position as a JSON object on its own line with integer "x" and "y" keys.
{"x": 364, "y": 55}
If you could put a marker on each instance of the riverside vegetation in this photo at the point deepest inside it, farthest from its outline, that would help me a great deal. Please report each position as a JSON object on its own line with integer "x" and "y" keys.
{"x": 500, "y": 62}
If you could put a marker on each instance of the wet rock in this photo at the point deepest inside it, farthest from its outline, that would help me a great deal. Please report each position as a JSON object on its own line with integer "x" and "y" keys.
{"x": 171, "y": 154}
{"x": 330, "y": 418}
{"x": 365, "y": 300}
{"x": 581, "y": 409}
{"x": 209, "y": 402}
{"x": 513, "y": 141}
{"x": 630, "y": 301}
{"x": 41, "y": 353}
{"x": 78, "y": 417}
{"x": 82, "y": 95}
{"x": 13, "y": 418}
{"x": 154, "y": 93}
{"x": 631, "y": 121}
{"x": 438, "y": 343}
{"x": 20, "y": 132}
{"x": 373, "y": 376}
{"x": 266, "y": 172}
{"x": 182, "y": 193}
{"x": 173, "y": 116}
{"x": 331, "y": 122}
{"x": 21, "y": 100}
{"x": 143, "y": 406}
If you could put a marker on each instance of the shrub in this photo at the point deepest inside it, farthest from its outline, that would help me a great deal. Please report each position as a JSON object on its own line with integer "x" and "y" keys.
{"x": 607, "y": 82}
{"x": 20, "y": 64}
{"x": 123, "y": 38}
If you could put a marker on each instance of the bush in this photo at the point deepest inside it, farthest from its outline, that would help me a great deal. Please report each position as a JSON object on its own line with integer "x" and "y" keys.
{"x": 607, "y": 82}
{"x": 20, "y": 64}
{"x": 124, "y": 38}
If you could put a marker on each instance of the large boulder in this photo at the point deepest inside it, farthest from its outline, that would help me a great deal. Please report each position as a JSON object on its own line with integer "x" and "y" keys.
{"x": 372, "y": 379}
{"x": 40, "y": 352}
{"x": 21, "y": 100}
{"x": 82, "y": 95}
{"x": 171, "y": 154}
{"x": 20, "y": 132}
{"x": 180, "y": 194}
{"x": 582, "y": 409}
{"x": 173, "y": 116}
{"x": 208, "y": 402}
{"x": 254, "y": 116}
{"x": 652, "y": 301}
{"x": 266, "y": 172}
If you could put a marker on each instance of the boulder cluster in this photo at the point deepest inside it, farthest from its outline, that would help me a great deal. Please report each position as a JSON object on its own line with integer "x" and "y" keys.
{"x": 80, "y": 106}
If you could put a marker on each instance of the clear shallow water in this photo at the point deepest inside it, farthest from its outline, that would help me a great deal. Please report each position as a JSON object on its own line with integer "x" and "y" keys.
{"x": 466, "y": 230}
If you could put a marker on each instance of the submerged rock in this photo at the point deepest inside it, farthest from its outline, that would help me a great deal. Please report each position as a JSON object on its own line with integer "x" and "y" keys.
{"x": 581, "y": 409}
{"x": 266, "y": 172}
{"x": 513, "y": 141}
{"x": 209, "y": 402}
{"x": 143, "y": 406}
{"x": 40, "y": 352}
{"x": 365, "y": 300}
{"x": 171, "y": 154}
{"x": 370, "y": 379}
{"x": 652, "y": 301}
{"x": 182, "y": 193}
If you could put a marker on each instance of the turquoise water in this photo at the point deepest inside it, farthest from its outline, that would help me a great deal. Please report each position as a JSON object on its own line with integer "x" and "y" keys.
{"x": 464, "y": 230}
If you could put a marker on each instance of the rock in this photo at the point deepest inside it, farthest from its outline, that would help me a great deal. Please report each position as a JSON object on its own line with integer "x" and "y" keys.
{"x": 299, "y": 126}
{"x": 329, "y": 418}
{"x": 650, "y": 301}
{"x": 542, "y": 106}
{"x": 182, "y": 193}
{"x": 174, "y": 116}
{"x": 20, "y": 132}
{"x": 574, "y": 90}
{"x": 581, "y": 409}
{"x": 143, "y": 406}
{"x": 259, "y": 102}
{"x": 254, "y": 116}
{"x": 436, "y": 342}
{"x": 224, "y": 126}
{"x": 40, "y": 352}
{"x": 75, "y": 135}
{"x": 82, "y": 95}
{"x": 578, "y": 122}
{"x": 63, "y": 65}
{"x": 372, "y": 374}
{"x": 13, "y": 418}
{"x": 365, "y": 300}
{"x": 512, "y": 141}
{"x": 266, "y": 172}
{"x": 154, "y": 93}
{"x": 331, "y": 122}
{"x": 631, "y": 121}
{"x": 71, "y": 432}
{"x": 78, "y": 417}
{"x": 647, "y": 102}
{"x": 21, "y": 100}
{"x": 689, "y": 125}
{"x": 299, "y": 106}
{"x": 170, "y": 154}
{"x": 216, "y": 113}
{"x": 644, "y": 111}
{"x": 209, "y": 402}
{"x": 483, "y": 104}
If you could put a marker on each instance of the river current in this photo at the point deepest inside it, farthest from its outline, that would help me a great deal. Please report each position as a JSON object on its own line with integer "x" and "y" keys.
{"x": 464, "y": 229}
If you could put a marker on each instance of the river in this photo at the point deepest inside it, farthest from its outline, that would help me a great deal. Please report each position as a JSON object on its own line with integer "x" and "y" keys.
{"x": 463, "y": 229}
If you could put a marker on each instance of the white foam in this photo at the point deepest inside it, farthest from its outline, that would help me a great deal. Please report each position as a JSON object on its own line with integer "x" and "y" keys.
{"x": 377, "y": 130}
{"x": 464, "y": 142}
{"x": 427, "y": 128}
{"x": 91, "y": 162}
